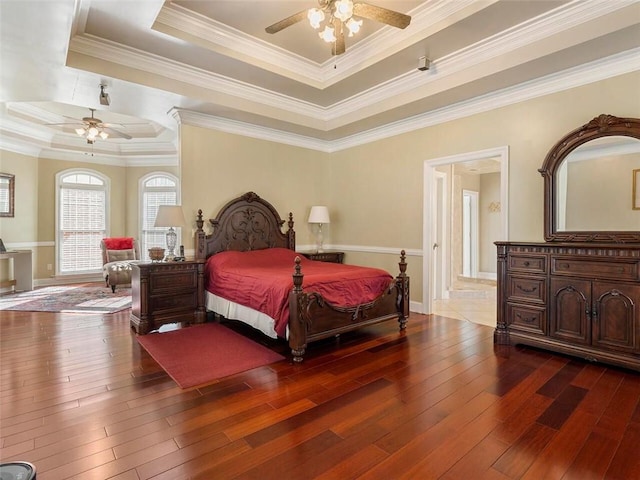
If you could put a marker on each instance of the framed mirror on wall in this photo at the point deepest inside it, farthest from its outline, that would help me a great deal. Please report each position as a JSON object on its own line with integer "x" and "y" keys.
{"x": 586, "y": 183}
{"x": 636, "y": 189}
{"x": 7, "y": 194}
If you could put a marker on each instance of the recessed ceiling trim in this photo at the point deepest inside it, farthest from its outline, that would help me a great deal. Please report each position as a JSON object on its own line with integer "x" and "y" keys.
{"x": 196, "y": 119}
{"x": 124, "y": 55}
{"x": 221, "y": 38}
{"x": 379, "y": 98}
{"x": 609, "y": 67}
{"x": 426, "y": 20}
{"x": 506, "y": 48}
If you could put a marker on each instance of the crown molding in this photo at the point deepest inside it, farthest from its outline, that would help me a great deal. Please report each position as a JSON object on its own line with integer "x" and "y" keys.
{"x": 197, "y": 119}
{"x": 609, "y": 67}
{"x": 391, "y": 94}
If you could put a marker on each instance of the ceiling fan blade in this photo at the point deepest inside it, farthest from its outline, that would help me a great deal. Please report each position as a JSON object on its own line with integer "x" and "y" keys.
{"x": 338, "y": 47}
{"x": 116, "y": 133}
{"x": 287, "y": 22}
{"x": 383, "y": 15}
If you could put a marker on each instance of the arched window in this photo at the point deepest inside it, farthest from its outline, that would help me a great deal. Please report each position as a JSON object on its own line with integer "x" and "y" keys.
{"x": 156, "y": 189}
{"x": 81, "y": 210}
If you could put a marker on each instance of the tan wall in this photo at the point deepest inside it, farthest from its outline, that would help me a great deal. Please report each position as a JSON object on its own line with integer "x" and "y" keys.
{"x": 374, "y": 191}
{"x": 217, "y": 167}
{"x": 490, "y": 221}
{"x": 34, "y": 223}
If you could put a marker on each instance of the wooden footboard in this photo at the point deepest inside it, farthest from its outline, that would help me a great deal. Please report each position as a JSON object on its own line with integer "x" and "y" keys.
{"x": 312, "y": 318}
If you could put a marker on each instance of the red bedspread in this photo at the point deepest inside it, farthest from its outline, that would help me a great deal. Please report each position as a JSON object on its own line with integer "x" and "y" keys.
{"x": 262, "y": 280}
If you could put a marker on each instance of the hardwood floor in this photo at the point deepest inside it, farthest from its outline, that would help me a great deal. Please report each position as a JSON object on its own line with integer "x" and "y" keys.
{"x": 81, "y": 399}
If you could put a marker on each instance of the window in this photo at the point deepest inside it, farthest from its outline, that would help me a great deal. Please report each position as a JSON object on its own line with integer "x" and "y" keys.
{"x": 155, "y": 189}
{"x": 81, "y": 220}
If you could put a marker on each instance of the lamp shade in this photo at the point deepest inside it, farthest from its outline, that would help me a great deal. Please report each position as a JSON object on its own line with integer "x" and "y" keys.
{"x": 319, "y": 214}
{"x": 169, "y": 216}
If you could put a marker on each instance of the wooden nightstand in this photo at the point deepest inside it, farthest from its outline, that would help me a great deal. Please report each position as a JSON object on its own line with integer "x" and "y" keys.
{"x": 167, "y": 292}
{"x": 332, "y": 257}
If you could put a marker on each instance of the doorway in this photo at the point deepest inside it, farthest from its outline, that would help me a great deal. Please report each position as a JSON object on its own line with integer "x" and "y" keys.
{"x": 446, "y": 262}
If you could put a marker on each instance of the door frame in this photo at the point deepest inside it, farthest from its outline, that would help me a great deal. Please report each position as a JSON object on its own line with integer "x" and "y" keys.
{"x": 430, "y": 203}
{"x": 473, "y": 235}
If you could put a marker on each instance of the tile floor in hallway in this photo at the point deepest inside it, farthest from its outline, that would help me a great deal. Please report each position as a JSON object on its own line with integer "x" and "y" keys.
{"x": 472, "y": 302}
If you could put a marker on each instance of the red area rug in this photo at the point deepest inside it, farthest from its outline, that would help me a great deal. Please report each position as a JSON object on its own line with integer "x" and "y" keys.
{"x": 200, "y": 354}
{"x": 85, "y": 298}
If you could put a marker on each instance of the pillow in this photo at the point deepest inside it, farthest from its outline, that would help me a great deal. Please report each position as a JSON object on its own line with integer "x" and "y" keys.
{"x": 118, "y": 243}
{"x": 120, "y": 255}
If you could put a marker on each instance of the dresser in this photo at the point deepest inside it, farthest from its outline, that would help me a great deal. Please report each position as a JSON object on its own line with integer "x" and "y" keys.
{"x": 578, "y": 299}
{"x": 578, "y": 293}
{"x": 166, "y": 292}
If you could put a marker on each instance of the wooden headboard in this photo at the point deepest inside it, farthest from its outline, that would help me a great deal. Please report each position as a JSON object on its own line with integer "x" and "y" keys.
{"x": 245, "y": 223}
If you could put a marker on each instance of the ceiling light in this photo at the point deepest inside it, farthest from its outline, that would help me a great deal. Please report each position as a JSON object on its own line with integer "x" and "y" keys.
{"x": 343, "y": 10}
{"x": 353, "y": 26}
{"x": 315, "y": 16}
{"x": 328, "y": 34}
{"x": 338, "y": 9}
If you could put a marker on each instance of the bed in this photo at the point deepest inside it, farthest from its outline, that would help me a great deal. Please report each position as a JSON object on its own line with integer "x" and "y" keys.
{"x": 246, "y": 231}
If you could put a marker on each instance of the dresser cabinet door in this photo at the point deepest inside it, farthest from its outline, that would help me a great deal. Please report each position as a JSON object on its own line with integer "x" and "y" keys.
{"x": 616, "y": 314}
{"x": 570, "y": 310}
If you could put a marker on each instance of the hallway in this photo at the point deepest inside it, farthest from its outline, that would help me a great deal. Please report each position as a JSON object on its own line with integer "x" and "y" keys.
{"x": 471, "y": 301}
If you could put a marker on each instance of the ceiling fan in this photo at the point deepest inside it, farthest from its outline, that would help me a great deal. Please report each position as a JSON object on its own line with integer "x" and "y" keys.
{"x": 341, "y": 14}
{"x": 93, "y": 128}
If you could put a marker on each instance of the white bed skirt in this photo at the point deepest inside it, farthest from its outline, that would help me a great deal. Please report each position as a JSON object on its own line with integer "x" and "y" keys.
{"x": 235, "y": 311}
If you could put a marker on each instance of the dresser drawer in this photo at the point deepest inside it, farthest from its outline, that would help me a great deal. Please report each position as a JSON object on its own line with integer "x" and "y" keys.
{"x": 527, "y": 263}
{"x": 184, "y": 301}
{"x": 619, "y": 270}
{"x": 527, "y": 289}
{"x": 170, "y": 281}
{"x": 527, "y": 318}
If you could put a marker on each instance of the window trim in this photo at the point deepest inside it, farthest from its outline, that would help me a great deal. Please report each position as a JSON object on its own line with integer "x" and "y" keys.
{"x": 141, "y": 207}
{"x": 107, "y": 189}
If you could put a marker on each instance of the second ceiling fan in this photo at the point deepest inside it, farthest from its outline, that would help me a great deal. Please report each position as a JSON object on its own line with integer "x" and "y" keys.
{"x": 342, "y": 15}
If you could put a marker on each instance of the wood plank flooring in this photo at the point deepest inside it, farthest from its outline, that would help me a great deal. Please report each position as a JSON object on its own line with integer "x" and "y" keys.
{"x": 80, "y": 399}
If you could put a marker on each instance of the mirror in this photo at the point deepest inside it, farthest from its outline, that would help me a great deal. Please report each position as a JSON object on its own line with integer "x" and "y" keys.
{"x": 7, "y": 194}
{"x": 590, "y": 183}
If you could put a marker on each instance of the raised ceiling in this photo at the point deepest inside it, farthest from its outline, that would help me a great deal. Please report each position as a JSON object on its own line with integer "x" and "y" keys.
{"x": 211, "y": 63}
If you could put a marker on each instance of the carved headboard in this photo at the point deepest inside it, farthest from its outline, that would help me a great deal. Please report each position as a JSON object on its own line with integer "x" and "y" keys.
{"x": 245, "y": 223}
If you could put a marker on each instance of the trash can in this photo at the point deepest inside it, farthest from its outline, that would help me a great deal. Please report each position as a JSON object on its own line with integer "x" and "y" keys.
{"x": 17, "y": 471}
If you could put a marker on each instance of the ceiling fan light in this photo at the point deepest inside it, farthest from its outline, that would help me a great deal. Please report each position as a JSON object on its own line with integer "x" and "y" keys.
{"x": 328, "y": 34}
{"x": 315, "y": 16}
{"x": 353, "y": 26}
{"x": 81, "y": 131}
{"x": 343, "y": 9}
{"x": 93, "y": 132}
{"x": 104, "y": 135}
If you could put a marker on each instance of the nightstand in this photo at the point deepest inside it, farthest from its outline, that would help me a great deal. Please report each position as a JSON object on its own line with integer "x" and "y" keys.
{"x": 167, "y": 292}
{"x": 329, "y": 256}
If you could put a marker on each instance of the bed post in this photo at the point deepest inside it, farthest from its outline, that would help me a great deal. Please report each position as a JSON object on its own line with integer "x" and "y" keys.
{"x": 402, "y": 281}
{"x": 199, "y": 237}
{"x": 291, "y": 234}
{"x": 297, "y": 327}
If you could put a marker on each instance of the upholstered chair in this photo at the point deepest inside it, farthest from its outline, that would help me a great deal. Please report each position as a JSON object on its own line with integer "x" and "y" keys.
{"x": 118, "y": 255}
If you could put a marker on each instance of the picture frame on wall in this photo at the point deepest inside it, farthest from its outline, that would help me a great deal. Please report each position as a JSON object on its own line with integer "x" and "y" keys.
{"x": 7, "y": 194}
{"x": 636, "y": 189}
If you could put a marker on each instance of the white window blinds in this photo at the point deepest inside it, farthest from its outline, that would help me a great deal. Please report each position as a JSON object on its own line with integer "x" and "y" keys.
{"x": 82, "y": 222}
{"x": 157, "y": 190}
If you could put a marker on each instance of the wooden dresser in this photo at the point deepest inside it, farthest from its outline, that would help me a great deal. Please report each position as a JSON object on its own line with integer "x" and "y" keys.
{"x": 167, "y": 292}
{"x": 579, "y": 299}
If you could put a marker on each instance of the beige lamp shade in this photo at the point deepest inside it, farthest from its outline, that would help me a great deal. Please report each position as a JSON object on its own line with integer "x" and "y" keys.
{"x": 170, "y": 216}
{"x": 319, "y": 214}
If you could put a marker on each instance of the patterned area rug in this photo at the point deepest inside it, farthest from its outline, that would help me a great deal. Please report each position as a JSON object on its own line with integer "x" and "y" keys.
{"x": 85, "y": 298}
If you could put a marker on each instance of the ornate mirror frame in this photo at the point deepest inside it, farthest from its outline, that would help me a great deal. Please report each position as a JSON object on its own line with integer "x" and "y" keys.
{"x": 601, "y": 126}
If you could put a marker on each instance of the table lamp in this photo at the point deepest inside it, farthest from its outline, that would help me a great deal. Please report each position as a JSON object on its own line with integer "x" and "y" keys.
{"x": 319, "y": 215}
{"x": 170, "y": 216}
